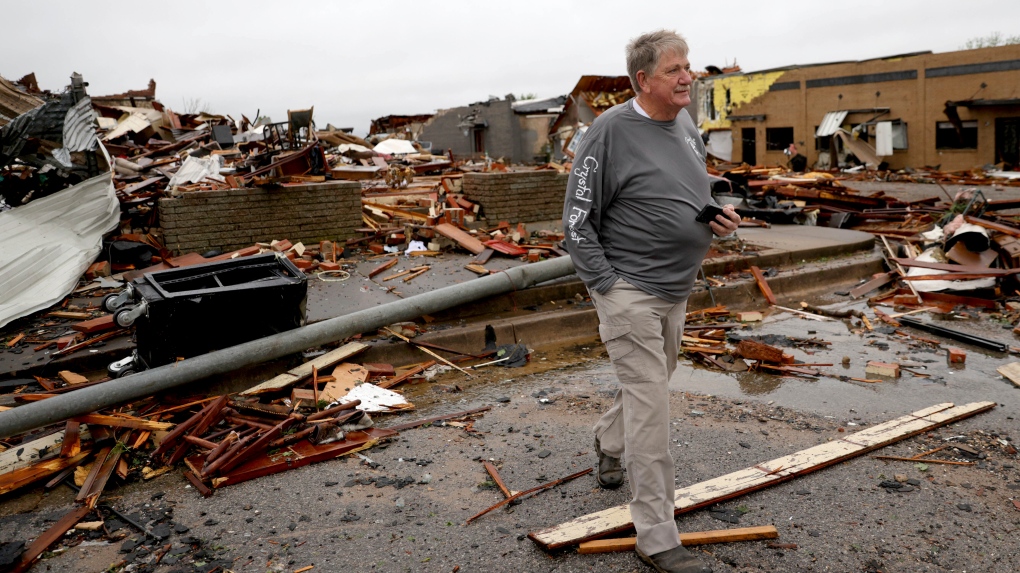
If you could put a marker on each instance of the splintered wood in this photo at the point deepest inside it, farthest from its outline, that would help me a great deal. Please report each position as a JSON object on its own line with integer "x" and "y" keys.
{"x": 617, "y": 519}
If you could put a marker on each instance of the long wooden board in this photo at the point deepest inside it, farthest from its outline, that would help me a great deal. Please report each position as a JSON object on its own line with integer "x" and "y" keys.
{"x": 686, "y": 539}
{"x": 463, "y": 239}
{"x": 298, "y": 374}
{"x": 617, "y": 519}
{"x": 26, "y": 454}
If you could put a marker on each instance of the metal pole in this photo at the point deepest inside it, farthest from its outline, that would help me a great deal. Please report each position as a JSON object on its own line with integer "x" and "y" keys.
{"x": 147, "y": 383}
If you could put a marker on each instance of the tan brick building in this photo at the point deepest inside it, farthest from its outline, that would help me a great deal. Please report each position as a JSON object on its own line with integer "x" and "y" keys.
{"x": 956, "y": 109}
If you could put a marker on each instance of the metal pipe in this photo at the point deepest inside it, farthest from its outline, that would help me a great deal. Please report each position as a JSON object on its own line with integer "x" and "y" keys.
{"x": 150, "y": 382}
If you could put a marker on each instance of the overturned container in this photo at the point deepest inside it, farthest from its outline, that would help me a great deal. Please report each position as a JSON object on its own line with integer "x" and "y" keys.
{"x": 185, "y": 312}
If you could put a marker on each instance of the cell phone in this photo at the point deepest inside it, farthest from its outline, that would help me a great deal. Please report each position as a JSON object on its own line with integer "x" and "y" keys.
{"x": 708, "y": 213}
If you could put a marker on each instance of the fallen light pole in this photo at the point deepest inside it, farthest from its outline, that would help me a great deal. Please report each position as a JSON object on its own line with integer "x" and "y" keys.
{"x": 149, "y": 382}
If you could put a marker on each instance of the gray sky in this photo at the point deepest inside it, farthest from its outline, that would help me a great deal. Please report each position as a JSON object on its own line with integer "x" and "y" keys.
{"x": 355, "y": 61}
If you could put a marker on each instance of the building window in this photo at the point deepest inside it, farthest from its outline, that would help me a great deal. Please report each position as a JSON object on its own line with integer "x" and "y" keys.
{"x": 948, "y": 137}
{"x": 822, "y": 143}
{"x": 778, "y": 138}
{"x": 899, "y": 135}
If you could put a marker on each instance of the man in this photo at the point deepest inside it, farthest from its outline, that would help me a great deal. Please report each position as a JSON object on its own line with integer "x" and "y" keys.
{"x": 637, "y": 183}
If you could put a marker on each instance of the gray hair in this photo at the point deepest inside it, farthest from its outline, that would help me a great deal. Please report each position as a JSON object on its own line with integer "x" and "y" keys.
{"x": 644, "y": 51}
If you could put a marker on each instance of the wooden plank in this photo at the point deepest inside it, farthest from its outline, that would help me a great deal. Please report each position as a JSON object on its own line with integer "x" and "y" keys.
{"x": 383, "y": 267}
{"x": 122, "y": 421}
{"x": 28, "y": 453}
{"x": 759, "y": 277}
{"x": 102, "y": 469}
{"x": 33, "y": 473}
{"x": 463, "y": 239}
{"x": 1011, "y": 231}
{"x": 497, "y": 479}
{"x": 298, "y": 374}
{"x": 617, "y": 519}
{"x": 49, "y": 537}
{"x": 951, "y": 268}
{"x": 1010, "y": 372}
{"x": 686, "y": 539}
{"x": 72, "y": 440}
{"x": 483, "y": 257}
{"x": 403, "y": 377}
{"x": 873, "y": 284}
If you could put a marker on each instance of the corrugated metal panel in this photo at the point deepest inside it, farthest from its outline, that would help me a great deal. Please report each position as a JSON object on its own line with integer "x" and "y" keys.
{"x": 80, "y": 127}
{"x": 831, "y": 123}
{"x": 45, "y": 246}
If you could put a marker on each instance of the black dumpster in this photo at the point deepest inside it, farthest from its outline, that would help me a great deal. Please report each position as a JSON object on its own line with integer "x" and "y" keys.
{"x": 197, "y": 309}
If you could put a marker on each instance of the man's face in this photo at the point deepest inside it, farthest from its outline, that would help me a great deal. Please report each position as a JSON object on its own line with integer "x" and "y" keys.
{"x": 670, "y": 84}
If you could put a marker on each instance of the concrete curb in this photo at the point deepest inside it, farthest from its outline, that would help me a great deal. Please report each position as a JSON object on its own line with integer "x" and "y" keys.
{"x": 568, "y": 324}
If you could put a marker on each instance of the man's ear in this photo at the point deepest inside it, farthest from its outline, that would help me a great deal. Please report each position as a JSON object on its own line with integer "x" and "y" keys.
{"x": 642, "y": 79}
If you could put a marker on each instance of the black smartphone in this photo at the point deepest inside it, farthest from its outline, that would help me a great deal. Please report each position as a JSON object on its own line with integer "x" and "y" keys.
{"x": 708, "y": 213}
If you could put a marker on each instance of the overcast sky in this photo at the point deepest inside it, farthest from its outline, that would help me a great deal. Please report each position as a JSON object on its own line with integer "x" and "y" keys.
{"x": 355, "y": 61}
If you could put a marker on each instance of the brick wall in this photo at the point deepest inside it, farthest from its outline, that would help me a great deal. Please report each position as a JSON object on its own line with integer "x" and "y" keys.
{"x": 521, "y": 197}
{"x": 228, "y": 220}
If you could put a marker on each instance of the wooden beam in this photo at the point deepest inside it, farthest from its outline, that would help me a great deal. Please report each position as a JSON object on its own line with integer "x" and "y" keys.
{"x": 759, "y": 277}
{"x": 686, "y": 539}
{"x": 123, "y": 422}
{"x": 33, "y": 473}
{"x": 49, "y": 537}
{"x": 873, "y": 284}
{"x": 617, "y": 519}
{"x": 295, "y": 375}
{"x": 380, "y": 268}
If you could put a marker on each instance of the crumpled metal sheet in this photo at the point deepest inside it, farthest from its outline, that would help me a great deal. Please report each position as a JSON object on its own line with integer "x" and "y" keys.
{"x": 46, "y": 245}
{"x": 195, "y": 169}
{"x": 80, "y": 127}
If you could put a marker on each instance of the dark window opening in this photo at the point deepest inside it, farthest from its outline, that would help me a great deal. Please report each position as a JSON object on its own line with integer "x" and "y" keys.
{"x": 479, "y": 140}
{"x": 822, "y": 143}
{"x": 948, "y": 137}
{"x": 778, "y": 138}
{"x": 747, "y": 147}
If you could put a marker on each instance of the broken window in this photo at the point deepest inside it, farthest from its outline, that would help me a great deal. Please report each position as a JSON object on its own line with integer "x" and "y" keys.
{"x": 899, "y": 134}
{"x": 947, "y": 136}
{"x": 778, "y": 138}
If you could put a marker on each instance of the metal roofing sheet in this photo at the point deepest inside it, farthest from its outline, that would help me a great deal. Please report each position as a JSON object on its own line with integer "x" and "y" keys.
{"x": 80, "y": 127}
{"x": 831, "y": 123}
{"x": 45, "y": 246}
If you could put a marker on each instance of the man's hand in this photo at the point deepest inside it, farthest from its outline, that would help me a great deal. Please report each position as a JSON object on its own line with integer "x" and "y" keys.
{"x": 726, "y": 223}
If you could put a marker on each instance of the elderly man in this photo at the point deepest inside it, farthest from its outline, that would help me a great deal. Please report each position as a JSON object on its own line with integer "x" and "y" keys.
{"x": 637, "y": 183}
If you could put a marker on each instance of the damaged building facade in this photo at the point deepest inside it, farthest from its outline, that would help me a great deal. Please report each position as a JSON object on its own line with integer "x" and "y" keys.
{"x": 514, "y": 130}
{"x": 956, "y": 110}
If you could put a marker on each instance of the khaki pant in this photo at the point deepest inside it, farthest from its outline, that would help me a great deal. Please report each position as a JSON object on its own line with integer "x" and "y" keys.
{"x": 642, "y": 335}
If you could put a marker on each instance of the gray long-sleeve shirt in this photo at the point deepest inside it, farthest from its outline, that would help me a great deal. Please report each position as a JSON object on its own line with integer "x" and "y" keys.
{"x": 632, "y": 195}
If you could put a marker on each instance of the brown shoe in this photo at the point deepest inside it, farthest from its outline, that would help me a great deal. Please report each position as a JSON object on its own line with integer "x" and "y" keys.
{"x": 676, "y": 560}
{"x": 609, "y": 471}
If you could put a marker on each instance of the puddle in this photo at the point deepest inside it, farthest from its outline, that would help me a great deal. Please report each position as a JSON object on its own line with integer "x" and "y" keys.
{"x": 825, "y": 394}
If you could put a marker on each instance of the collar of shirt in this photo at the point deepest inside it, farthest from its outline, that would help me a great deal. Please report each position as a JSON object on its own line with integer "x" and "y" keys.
{"x": 639, "y": 109}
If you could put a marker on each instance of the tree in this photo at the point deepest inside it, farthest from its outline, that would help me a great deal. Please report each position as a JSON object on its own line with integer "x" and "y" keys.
{"x": 527, "y": 96}
{"x": 195, "y": 105}
{"x": 990, "y": 41}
